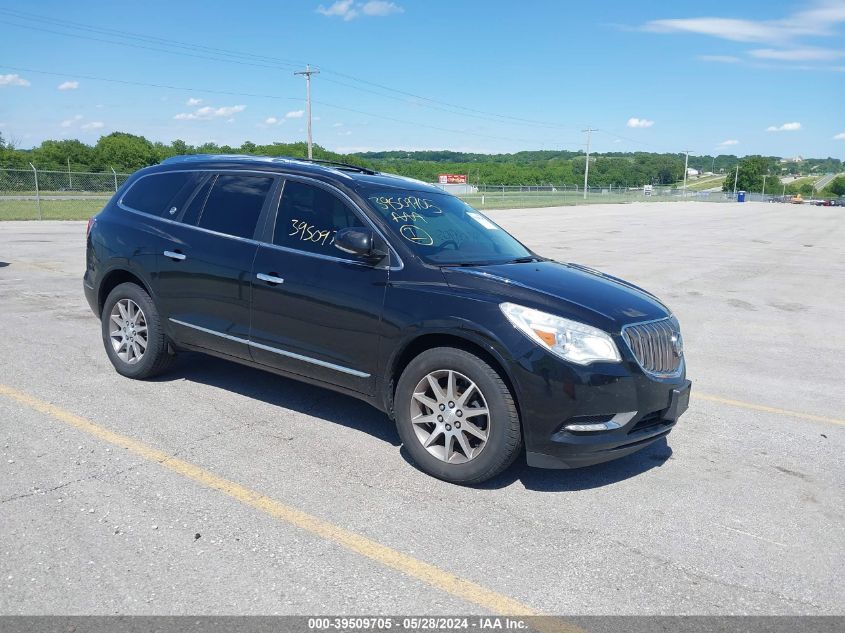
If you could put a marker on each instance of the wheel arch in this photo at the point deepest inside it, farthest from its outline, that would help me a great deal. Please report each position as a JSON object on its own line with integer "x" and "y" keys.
{"x": 112, "y": 280}
{"x": 463, "y": 341}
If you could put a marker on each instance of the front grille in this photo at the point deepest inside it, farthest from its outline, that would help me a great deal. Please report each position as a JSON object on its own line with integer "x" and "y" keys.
{"x": 657, "y": 345}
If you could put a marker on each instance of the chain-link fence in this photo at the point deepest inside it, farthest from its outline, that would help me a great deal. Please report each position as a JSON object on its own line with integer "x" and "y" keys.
{"x": 511, "y": 197}
{"x": 36, "y": 194}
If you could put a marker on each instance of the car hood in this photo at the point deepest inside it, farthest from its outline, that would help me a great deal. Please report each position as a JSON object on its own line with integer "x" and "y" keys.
{"x": 569, "y": 290}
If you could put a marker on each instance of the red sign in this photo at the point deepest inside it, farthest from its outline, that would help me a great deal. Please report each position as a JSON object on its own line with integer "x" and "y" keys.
{"x": 452, "y": 179}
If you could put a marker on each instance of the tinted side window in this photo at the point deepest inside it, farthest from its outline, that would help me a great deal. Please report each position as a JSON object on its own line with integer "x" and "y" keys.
{"x": 196, "y": 204}
{"x": 162, "y": 194}
{"x": 234, "y": 204}
{"x": 309, "y": 217}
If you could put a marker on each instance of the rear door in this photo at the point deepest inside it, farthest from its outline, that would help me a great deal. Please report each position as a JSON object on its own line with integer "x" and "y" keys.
{"x": 204, "y": 271}
{"x": 316, "y": 311}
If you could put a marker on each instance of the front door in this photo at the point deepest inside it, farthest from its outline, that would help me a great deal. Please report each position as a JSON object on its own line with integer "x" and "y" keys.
{"x": 316, "y": 311}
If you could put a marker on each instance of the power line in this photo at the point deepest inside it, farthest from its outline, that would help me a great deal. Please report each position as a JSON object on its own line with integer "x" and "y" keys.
{"x": 260, "y": 61}
{"x": 265, "y": 96}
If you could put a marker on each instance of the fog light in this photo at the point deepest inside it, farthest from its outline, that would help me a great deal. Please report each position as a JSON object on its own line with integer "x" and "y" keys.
{"x": 616, "y": 422}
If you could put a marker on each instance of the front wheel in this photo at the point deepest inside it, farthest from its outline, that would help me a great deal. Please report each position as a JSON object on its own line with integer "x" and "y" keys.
{"x": 456, "y": 416}
{"x": 132, "y": 333}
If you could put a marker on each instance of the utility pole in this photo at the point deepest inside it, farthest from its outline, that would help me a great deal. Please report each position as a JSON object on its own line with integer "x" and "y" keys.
{"x": 736, "y": 176}
{"x": 763, "y": 193}
{"x": 686, "y": 166}
{"x": 308, "y": 72}
{"x": 589, "y": 131}
{"x": 69, "y": 178}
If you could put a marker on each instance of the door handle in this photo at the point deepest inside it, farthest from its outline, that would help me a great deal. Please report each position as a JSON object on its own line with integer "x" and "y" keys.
{"x": 175, "y": 255}
{"x": 270, "y": 279}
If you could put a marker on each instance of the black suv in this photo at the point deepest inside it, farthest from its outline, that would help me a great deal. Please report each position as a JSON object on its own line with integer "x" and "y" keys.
{"x": 392, "y": 291}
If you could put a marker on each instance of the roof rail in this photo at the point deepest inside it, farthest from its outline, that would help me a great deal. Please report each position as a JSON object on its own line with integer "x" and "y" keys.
{"x": 334, "y": 163}
{"x": 251, "y": 157}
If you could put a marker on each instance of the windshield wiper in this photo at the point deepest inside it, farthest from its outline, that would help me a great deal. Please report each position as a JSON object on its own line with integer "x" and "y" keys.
{"x": 525, "y": 260}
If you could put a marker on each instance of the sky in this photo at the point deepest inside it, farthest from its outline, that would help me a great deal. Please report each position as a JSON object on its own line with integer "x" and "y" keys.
{"x": 758, "y": 76}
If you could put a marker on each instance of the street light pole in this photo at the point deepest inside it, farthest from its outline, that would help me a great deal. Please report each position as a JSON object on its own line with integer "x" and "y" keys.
{"x": 736, "y": 176}
{"x": 686, "y": 167}
{"x": 764, "y": 184}
{"x": 589, "y": 132}
{"x": 307, "y": 73}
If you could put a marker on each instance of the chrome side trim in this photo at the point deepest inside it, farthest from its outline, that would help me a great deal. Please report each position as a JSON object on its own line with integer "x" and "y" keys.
{"x": 275, "y": 350}
{"x": 616, "y": 422}
{"x": 174, "y": 255}
{"x": 308, "y": 359}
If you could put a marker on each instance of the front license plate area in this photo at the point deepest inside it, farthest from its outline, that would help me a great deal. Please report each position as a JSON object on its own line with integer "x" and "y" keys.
{"x": 678, "y": 402}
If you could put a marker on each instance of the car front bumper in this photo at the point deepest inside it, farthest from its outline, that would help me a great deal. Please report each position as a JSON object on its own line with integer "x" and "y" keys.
{"x": 553, "y": 395}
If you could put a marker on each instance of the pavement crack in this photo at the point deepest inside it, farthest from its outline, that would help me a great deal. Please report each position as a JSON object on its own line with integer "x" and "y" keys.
{"x": 47, "y": 491}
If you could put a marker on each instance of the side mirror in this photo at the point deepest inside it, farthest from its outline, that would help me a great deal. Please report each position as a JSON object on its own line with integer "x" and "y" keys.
{"x": 360, "y": 242}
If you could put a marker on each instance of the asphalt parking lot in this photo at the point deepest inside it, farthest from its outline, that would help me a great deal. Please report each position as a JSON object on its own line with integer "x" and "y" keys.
{"x": 247, "y": 493}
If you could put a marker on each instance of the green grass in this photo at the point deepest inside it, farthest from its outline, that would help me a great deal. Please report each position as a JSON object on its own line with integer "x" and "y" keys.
{"x": 50, "y": 209}
{"x": 707, "y": 182}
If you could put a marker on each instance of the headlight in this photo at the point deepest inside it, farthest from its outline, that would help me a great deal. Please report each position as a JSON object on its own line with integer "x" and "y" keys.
{"x": 572, "y": 341}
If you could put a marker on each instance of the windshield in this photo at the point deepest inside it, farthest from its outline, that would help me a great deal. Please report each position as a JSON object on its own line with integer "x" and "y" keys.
{"x": 444, "y": 230}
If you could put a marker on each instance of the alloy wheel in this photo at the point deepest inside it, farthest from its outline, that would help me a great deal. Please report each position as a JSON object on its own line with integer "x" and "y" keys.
{"x": 450, "y": 416}
{"x": 128, "y": 331}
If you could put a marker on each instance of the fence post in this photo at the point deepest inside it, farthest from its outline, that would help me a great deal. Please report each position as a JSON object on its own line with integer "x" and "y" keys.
{"x": 115, "y": 178}
{"x": 37, "y": 192}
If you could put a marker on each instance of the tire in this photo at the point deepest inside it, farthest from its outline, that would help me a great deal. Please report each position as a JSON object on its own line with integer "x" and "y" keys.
{"x": 417, "y": 407}
{"x": 154, "y": 357}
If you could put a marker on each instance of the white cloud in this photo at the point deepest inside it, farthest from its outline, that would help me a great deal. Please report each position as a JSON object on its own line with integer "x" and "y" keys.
{"x": 271, "y": 120}
{"x": 344, "y": 133}
{"x": 13, "y": 80}
{"x": 208, "y": 112}
{"x": 295, "y": 114}
{"x": 68, "y": 85}
{"x": 337, "y": 124}
{"x": 349, "y": 9}
{"x": 341, "y": 8}
{"x": 819, "y": 20}
{"x": 723, "y": 28}
{"x": 635, "y": 122}
{"x": 94, "y": 125}
{"x": 786, "y": 127}
{"x": 839, "y": 137}
{"x": 193, "y": 102}
{"x": 380, "y": 7}
{"x": 797, "y": 54}
{"x": 730, "y": 141}
{"x": 721, "y": 59}
{"x": 69, "y": 122}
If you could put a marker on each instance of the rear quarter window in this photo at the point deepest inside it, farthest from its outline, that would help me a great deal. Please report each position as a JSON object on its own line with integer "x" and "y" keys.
{"x": 162, "y": 194}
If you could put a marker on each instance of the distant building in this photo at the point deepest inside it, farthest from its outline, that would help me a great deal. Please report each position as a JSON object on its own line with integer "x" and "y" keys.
{"x": 692, "y": 172}
{"x": 794, "y": 159}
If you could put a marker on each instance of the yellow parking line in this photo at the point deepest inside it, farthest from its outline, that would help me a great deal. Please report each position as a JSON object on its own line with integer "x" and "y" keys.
{"x": 425, "y": 572}
{"x": 765, "y": 409}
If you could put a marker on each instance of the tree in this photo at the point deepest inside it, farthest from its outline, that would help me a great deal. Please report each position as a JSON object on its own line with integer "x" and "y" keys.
{"x": 836, "y": 187}
{"x": 750, "y": 176}
{"x": 124, "y": 152}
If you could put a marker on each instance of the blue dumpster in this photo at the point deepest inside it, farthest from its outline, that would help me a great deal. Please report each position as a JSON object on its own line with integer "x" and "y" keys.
{"x": 740, "y": 196}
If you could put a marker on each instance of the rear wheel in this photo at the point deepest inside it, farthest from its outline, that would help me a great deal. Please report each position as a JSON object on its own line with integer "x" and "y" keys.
{"x": 456, "y": 416}
{"x": 132, "y": 333}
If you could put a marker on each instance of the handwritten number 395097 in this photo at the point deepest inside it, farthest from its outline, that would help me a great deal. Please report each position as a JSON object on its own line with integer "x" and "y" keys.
{"x": 310, "y": 233}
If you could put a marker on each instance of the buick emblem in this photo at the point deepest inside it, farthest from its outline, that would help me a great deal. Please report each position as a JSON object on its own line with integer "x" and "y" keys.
{"x": 677, "y": 344}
